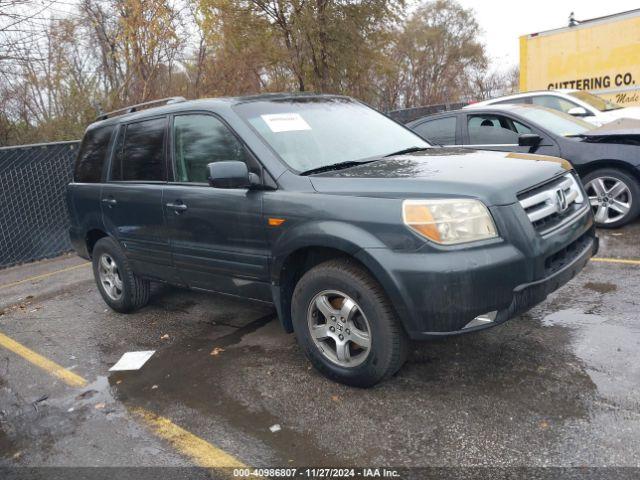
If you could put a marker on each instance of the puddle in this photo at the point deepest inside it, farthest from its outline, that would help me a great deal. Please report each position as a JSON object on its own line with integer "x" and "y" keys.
{"x": 572, "y": 318}
{"x": 238, "y": 334}
{"x": 187, "y": 375}
{"x": 608, "y": 351}
{"x": 601, "y": 287}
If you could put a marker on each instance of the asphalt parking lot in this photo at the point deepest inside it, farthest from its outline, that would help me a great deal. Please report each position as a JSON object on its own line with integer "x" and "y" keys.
{"x": 558, "y": 386}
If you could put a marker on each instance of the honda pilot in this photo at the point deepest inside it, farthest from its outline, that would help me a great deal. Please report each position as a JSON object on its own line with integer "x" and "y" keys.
{"x": 360, "y": 233}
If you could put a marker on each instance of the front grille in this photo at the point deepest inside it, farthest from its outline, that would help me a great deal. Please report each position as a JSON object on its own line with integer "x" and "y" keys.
{"x": 568, "y": 254}
{"x": 550, "y": 205}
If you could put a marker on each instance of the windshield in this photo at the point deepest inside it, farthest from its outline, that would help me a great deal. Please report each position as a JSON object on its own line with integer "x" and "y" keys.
{"x": 313, "y": 132}
{"x": 596, "y": 102}
{"x": 556, "y": 122}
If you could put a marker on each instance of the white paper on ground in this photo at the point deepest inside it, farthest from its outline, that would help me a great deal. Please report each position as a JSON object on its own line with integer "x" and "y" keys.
{"x": 285, "y": 122}
{"x": 132, "y": 361}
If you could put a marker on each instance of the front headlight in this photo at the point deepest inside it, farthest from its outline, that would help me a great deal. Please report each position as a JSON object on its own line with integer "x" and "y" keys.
{"x": 450, "y": 221}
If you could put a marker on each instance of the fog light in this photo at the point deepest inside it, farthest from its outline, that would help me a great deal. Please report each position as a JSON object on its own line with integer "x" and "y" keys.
{"x": 483, "y": 319}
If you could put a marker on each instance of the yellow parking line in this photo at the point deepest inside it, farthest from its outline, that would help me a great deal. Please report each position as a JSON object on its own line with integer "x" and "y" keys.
{"x": 47, "y": 365}
{"x": 44, "y": 275}
{"x": 201, "y": 452}
{"x": 616, "y": 260}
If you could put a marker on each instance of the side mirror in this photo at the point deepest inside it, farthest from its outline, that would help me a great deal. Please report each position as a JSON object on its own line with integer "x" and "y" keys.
{"x": 231, "y": 174}
{"x": 578, "y": 112}
{"x": 530, "y": 140}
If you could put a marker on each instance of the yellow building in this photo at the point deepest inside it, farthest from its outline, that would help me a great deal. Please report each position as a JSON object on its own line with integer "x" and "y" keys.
{"x": 601, "y": 55}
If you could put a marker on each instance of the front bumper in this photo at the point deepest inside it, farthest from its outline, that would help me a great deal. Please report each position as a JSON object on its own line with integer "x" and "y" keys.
{"x": 437, "y": 293}
{"x": 528, "y": 295}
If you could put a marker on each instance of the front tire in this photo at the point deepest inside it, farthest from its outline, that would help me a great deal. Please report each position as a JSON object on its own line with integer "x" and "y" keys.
{"x": 346, "y": 325}
{"x": 120, "y": 288}
{"x": 614, "y": 196}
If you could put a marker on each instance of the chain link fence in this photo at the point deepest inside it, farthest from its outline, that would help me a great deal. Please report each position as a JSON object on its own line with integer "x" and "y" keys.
{"x": 33, "y": 212}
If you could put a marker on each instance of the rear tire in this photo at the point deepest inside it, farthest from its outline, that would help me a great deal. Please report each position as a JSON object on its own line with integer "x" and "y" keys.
{"x": 120, "y": 288}
{"x": 614, "y": 196}
{"x": 346, "y": 325}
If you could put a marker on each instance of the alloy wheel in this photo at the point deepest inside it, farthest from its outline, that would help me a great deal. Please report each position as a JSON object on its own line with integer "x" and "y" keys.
{"x": 610, "y": 199}
{"x": 339, "y": 328}
{"x": 110, "y": 276}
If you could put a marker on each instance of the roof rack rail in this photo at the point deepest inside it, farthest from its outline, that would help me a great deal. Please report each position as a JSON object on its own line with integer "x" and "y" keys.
{"x": 136, "y": 107}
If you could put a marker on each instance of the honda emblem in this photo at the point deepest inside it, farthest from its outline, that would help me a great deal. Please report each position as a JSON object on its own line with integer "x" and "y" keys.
{"x": 561, "y": 200}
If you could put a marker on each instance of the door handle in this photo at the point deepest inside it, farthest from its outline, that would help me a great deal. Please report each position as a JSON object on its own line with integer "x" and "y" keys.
{"x": 109, "y": 201}
{"x": 177, "y": 207}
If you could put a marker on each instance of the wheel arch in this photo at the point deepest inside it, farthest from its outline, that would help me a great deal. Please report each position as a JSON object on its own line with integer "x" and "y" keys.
{"x": 91, "y": 238}
{"x": 290, "y": 268}
{"x": 592, "y": 166}
{"x": 301, "y": 260}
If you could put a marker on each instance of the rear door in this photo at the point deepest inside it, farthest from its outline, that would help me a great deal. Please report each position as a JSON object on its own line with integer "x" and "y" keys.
{"x": 440, "y": 131}
{"x": 218, "y": 235}
{"x": 132, "y": 197}
{"x": 84, "y": 194}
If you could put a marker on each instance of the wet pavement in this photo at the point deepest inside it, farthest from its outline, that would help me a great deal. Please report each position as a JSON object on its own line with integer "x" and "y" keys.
{"x": 558, "y": 386}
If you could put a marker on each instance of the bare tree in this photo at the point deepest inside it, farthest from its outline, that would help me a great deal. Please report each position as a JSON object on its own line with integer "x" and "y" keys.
{"x": 437, "y": 53}
{"x": 59, "y": 60}
{"x": 486, "y": 85}
{"x": 21, "y": 24}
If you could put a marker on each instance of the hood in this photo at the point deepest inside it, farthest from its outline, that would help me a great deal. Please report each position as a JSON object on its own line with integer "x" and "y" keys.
{"x": 620, "y": 126}
{"x": 626, "y": 112}
{"x": 620, "y": 131}
{"x": 493, "y": 177}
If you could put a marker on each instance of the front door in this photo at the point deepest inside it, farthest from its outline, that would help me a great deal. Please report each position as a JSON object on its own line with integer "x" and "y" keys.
{"x": 490, "y": 131}
{"x": 217, "y": 235}
{"x": 132, "y": 197}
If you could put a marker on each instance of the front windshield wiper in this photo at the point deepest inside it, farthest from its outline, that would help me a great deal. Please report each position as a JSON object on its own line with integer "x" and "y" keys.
{"x": 407, "y": 150}
{"x": 353, "y": 163}
{"x": 336, "y": 166}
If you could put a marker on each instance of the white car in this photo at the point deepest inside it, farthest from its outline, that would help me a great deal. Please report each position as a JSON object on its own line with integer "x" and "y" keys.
{"x": 579, "y": 103}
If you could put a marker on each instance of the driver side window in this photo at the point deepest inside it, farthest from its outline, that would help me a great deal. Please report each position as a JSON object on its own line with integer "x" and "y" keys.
{"x": 199, "y": 140}
{"x": 490, "y": 129}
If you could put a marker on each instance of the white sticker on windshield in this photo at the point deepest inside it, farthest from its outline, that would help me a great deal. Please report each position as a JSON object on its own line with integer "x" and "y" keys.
{"x": 285, "y": 122}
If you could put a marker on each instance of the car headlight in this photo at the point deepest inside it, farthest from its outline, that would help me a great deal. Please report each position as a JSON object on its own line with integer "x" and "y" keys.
{"x": 449, "y": 221}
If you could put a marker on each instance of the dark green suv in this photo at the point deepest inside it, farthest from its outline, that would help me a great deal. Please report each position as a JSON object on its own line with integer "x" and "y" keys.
{"x": 360, "y": 233}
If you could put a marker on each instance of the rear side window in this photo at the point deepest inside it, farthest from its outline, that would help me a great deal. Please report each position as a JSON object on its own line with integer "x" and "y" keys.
{"x": 440, "y": 130}
{"x": 553, "y": 102}
{"x": 512, "y": 101}
{"x": 92, "y": 155}
{"x": 139, "y": 152}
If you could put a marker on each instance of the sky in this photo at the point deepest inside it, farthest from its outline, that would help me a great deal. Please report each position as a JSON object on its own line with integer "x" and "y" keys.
{"x": 504, "y": 21}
